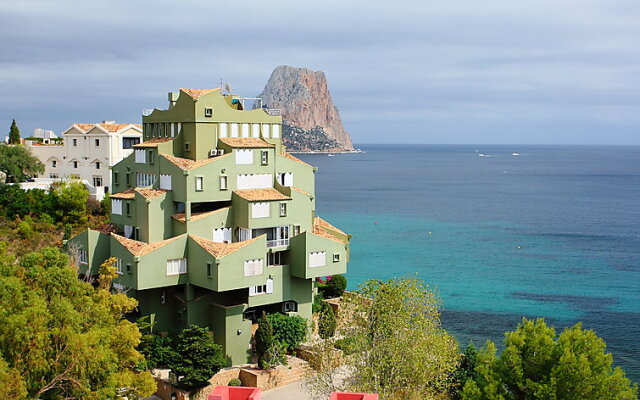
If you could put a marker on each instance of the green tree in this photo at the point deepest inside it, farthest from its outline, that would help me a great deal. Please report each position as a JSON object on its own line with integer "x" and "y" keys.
{"x": 536, "y": 364}
{"x": 72, "y": 201}
{"x": 400, "y": 350}
{"x": 63, "y": 337}
{"x": 269, "y": 351}
{"x": 327, "y": 323}
{"x": 335, "y": 286}
{"x": 198, "y": 357}
{"x": 18, "y": 163}
{"x": 14, "y": 133}
{"x": 288, "y": 330}
{"x": 467, "y": 369}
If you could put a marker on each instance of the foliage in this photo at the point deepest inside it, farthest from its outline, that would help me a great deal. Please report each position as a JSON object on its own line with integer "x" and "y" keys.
{"x": 327, "y": 323}
{"x": 62, "y": 338}
{"x": 270, "y": 352}
{"x": 18, "y": 163}
{"x": 289, "y": 330}
{"x": 235, "y": 382}
{"x": 157, "y": 349}
{"x": 318, "y": 304}
{"x": 467, "y": 369}
{"x": 25, "y": 230}
{"x": 198, "y": 357}
{"x": 105, "y": 205}
{"x": 399, "y": 349}
{"x": 72, "y": 201}
{"x": 538, "y": 365}
{"x": 347, "y": 344}
{"x": 334, "y": 286}
{"x": 14, "y": 133}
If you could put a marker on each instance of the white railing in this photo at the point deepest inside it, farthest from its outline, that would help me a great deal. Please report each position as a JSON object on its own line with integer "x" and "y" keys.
{"x": 273, "y": 111}
{"x": 277, "y": 243}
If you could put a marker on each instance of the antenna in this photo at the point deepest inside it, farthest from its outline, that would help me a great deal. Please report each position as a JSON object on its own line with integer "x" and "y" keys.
{"x": 227, "y": 88}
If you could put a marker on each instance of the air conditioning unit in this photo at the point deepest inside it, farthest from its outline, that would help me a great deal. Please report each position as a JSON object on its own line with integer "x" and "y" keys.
{"x": 213, "y": 152}
{"x": 220, "y": 152}
{"x": 289, "y": 306}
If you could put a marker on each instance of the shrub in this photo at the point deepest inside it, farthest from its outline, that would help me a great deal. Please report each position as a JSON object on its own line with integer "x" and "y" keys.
{"x": 269, "y": 351}
{"x": 334, "y": 287}
{"x": 234, "y": 382}
{"x": 198, "y": 357}
{"x": 289, "y": 330}
{"x": 327, "y": 323}
{"x": 347, "y": 344}
{"x": 318, "y": 304}
{"x": 25, "y": 230}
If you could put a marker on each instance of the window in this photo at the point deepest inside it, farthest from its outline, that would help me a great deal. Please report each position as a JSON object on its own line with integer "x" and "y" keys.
{"x": 259, "y": 210}
{"x": 83, "y": 256}
{"x": 53, "y": 176}
{"x": 253, "y": 267}
{"x": 177, "y": 266}
{"x": 283, "y": 209}
{"x": 224, "y": 182}
{"x": 209, "y": 269}
{"x": 128, "y": 207}
{"x": 54, "y": 163}
{"x": 143, "y": 180}
{"x": 75, "y": 142}
{"x": 336, "y": 257}
{"x": 75, "y": 176}
{"x": 222, "y": 235}
{"x": 317, "y": 259}
{"x": 254, "y": 181}
{"x": 118, "y": 266}
{"x": 97, "y": 141}
{"x": 97, "y": 181}
{"x": 165, "y": 181}
{"x": 277, "y": 258}
{"x": 140, "y": 156}
{"x": 285, "y": 178}
{"x": 187, "y": 146}
{"x": 128, "y": 178}
{"x": 128, "y": 268}
{"x": 265, "y": 157}
{"x": 150, "y": 156}
{"x": 75, "y": 164}
{"x": 136, "y": 233}
{"x": 97, "y": 164}
{"x": 208, "y": 112}
{"x": 296, "y": 230}
{"x": 115, "y": 178}
{"x": 116, "y": 207}
{"x": 244, "y": 156}
{"x": 129, "y": 142}
{"x": 199, "y": 183}
{"x": 262, "y": 289}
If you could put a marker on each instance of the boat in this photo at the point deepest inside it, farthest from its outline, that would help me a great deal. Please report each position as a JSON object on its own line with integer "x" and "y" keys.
{"x": 515, "y": 154}
{"x": 331, "y": 155}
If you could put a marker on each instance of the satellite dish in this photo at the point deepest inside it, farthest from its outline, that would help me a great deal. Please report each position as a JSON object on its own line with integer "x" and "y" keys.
{"x": 227, "y": 87}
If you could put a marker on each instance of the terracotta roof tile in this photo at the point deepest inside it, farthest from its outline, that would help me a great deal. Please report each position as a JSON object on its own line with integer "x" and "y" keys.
{"x": 301, "y": 191}
{"x": 254, "y": 143}
{"x": 261, "y": 194}
{"x": 185, "y": 163}
{"x": 127, "y": 194}
{"x": 197, "y": 93}
{"x": 196, "y": 216}
{"x": 219, "y": 250}
{"x": 138, "y": 248}
{"x": 324, "y": 224}
{"x": 154, "y": 142}
{"x": 150, "y": 193}
{"x": 320, "y": 228}
{"x": 289, "y": 156}
{"x": 108, "y": 127}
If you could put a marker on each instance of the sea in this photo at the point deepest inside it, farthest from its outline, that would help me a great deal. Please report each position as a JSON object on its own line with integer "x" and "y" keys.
{"x": 501, "y": 232}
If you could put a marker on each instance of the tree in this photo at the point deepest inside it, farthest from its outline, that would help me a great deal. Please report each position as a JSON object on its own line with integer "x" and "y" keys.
{"x": 327, "y": 323}
{"x": 62, "y": 338}
{"x": 269, "y": 351}
{"x": 400, "y": 349}
{"x": 14, "y": 133}
{"x": 18, "y": 163}
{"x": 288, "y": 330}
{"x": 334, "y": 286}
{"x": 72, "y": 201}
{"x": 536, "y": 364}
{"x": 467, "y": 369}
{"x": 198, "y": 357}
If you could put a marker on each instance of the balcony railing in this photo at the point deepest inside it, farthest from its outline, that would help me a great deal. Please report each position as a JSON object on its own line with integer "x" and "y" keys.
{"x": 273, "y": 111}
{"x": 277, "y": 243}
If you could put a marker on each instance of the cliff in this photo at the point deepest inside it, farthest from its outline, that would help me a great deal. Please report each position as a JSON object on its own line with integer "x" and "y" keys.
{"x": 310, "y": 119}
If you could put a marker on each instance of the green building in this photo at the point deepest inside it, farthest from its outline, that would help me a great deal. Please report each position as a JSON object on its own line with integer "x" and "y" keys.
{"x": 216, "y": 221}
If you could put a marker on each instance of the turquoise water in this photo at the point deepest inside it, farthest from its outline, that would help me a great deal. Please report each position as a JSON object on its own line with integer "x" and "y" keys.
{"x": 554, "y": 232}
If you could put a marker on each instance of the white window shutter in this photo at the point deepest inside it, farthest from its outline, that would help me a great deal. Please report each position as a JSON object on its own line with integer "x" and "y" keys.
{"x": 255, "y": 130}
{"x": 223, "y": 129}
{"x": 234, "y": 130}
{"x": 116, "y": 207}
{"x": 245, "y": 130}
{"x": 252, "y": 291}
{"x": 226, "y": 235}
{"x": 270, "y": 285}
{"x": 288, "y": 179}
{"x": 275, "y": 133}
{"x": 265, "y": 130}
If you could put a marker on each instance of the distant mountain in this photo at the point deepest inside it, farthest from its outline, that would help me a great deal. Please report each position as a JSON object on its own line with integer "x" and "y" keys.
{"x": 311, "y": 121}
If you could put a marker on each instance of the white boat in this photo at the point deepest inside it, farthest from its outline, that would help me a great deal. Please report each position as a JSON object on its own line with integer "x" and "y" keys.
{"x": 331, "y": 155}
{"x": 515, "y": 154}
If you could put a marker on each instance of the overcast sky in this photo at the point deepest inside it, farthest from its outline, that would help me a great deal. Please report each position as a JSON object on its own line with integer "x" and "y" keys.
{"x": 540, "y": 72}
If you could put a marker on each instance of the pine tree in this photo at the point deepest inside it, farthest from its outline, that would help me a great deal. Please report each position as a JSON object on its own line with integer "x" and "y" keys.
{"x": 264, "y": 340}
{"x": 14, "y": 133}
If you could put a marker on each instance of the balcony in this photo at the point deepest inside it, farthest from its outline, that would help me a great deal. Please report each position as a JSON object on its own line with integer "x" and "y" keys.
{"x": 277, "y": 243}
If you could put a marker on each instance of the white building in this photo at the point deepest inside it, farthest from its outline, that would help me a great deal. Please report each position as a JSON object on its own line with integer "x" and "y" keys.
{"x": 44, "y": 134}
{"x": 88, "y": 152}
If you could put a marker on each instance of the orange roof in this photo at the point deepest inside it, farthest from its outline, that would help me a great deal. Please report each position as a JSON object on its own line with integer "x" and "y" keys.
{"x": 108, "y": 127}
{"x": 127, "y": 194}
{"x": 138, "y": 248}
{"x": 301, "y": 191}
{"x": 324, "y": 224}
{"x": 285, "y": 154}
{"x": 186, "y": 163}
{"x": 154, "y": 142}
{"x": 320, "y": 228}
{"x": 261, "y": 194}
{"x": 150, "y": 193}
{"x": 219, "y": 250}
{"x": 197, "y": 93}
{"x": 196, "y": 216}
{"x": 246, "y": 142}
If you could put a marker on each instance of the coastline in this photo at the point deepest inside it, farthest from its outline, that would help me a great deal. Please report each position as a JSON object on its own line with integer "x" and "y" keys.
{"x": 327, "y": 152}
